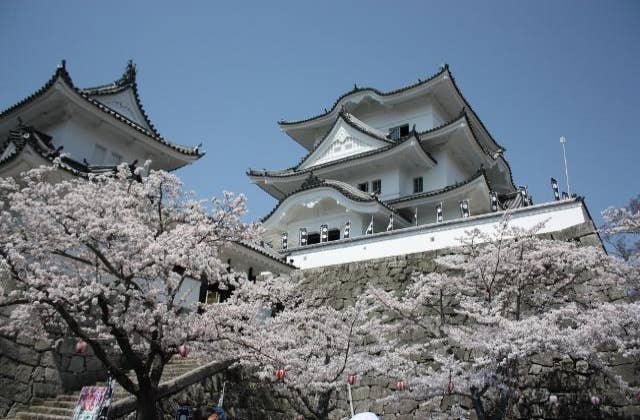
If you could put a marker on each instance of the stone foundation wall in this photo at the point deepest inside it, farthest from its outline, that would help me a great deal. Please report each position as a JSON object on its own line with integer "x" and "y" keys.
{"x": 29, "y": 370}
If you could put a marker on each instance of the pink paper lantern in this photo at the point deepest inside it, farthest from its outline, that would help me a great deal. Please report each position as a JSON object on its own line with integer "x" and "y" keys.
{"x": 81, "y": 346}
{"x": 183, "y": 350}
{"x": 280, "y": 374}
{"x": 351, "y": 379}
{"x": 595, "y": 401}
{"x": 553, "y": 399}
{"x": 400, "y": 385}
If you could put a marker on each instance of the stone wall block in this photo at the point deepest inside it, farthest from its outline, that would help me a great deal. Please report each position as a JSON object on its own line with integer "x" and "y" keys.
{"x": 76, "y": 365}
{"x": 18, "y": 353}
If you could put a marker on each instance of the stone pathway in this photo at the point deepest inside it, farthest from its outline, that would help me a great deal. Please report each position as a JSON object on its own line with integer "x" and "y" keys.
{"x": 61, "y": 407}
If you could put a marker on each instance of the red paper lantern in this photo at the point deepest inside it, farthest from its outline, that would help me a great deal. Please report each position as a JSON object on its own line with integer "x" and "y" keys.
{"x": 81, "y": 346}
{"x": 400, "y": 385}
{"x": 280, "y": 374}
{"x": 351, "y": 379}
{"x": 450, "y": 387}
{"x": 595, "y": 401}
{"x": 183, "y": 350}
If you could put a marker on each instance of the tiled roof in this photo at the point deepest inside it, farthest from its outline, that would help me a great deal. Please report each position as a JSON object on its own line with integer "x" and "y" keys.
{"x": 345, "y": 189}
{"x": 352, "y": 122}
{"x": 62, "y": 74}
{"x": 357, "y": 89}
{"x": 41, "y": 143}
{"x": 294, "y": 170}
{"x": 126, "y": 81}
{"x": 446, "y": 189}
{"x": 444, "y": 69}
{"x": 266, "y": 251}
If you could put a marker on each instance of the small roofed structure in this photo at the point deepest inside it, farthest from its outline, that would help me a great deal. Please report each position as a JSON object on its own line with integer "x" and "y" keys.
{"x": 93, "y": 127}
{"x": 93, "y": 130}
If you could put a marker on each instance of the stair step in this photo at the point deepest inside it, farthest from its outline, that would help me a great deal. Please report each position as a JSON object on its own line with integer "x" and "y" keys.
{"x": 62, "y": 406}
{"x": 57, "y": 403}
{"x": 47, "y": 409}
{"x": 68, "y": 397}
{"x": 40, "y": 416}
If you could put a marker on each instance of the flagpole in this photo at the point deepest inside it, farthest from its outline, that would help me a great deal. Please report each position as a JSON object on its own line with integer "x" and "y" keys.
{"x": 563, "y": 140}
{"x": 350, "y": 399}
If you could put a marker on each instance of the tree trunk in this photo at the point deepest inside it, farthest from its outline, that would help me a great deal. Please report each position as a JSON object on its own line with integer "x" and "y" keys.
{"x": 147, "y": 407}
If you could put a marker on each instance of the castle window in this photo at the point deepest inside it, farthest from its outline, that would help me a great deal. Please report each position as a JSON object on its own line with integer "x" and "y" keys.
{"x": 99, "y": 154}
{"x": 313, "y": 238}
{"x": 399, "y": 131}
{"x": 334, "y": 235}
{"x": 364, "y": 187}
{"x": 417, "y": 185}
{"x": 116, "y": 158}
{"x": 376, "y": 186}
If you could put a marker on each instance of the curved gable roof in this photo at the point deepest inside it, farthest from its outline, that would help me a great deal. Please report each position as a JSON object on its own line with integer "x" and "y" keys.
{"x": 352, "y": 122}
{"x": 63, "y": 76}
{"x": 343, "y": 188}
{"x": 357, "y": 90}
{"x": 443, "y": 74}
{"x": 479, "y": 174}
{"x": 125, "y": 82}
{"x": 25, "y": 136}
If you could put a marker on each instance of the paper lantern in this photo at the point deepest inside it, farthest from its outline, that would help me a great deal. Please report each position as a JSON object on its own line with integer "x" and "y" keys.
{"x": 553, "y": 399}
{"x": 595, "y": 401}
{"x": 400, "y": 385}
{"x": 280, "y": 374}
{"x": 450, "y": 387}
{"x": 81, "y": 346}
{"x": 183, "y": 350}
{"x": 351, "y": 379}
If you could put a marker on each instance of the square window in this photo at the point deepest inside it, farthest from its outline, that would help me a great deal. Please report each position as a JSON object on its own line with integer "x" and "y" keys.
{"x": 417, "y": 185}
{"x": 313, "y": 238}
{"x": 376, "y": 186}
{"x": 364, "y": 187}
{"x": 99, "y": 154}
{"x": 399, "y": 131}
{"x": 116, "y": 158}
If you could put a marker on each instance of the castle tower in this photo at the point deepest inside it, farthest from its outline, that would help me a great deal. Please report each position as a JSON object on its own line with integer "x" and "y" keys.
{"x": 391, "y": 173}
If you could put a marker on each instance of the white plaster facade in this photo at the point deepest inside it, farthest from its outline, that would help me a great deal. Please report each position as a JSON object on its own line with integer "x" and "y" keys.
{"x": 424, "y": 155}
{"x": 556, "y": 216}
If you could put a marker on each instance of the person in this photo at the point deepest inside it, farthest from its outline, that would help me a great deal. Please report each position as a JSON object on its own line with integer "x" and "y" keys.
{"x": 365, "y": 416}
{"x": 213, "y": 413}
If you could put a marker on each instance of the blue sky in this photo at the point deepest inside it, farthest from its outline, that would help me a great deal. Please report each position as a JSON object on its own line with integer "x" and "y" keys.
{"x": 224, "y": 73}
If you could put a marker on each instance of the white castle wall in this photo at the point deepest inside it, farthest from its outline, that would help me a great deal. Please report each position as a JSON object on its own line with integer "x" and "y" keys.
{"x": 557, "y": 215}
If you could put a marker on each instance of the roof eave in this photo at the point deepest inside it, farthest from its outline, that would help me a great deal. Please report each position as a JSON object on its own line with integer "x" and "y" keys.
{"x": 62, "y": 75}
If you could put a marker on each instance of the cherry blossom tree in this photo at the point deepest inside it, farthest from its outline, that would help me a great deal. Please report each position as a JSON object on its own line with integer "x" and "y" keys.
{"x": 303, "y": 349}
{"x": 622, "y": 228}
{"x": 112, "y": 261}
{"x": 502, "y": 299}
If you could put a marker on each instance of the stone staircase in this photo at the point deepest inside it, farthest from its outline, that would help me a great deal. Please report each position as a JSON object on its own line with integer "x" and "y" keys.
{"x": 61, "y": 407}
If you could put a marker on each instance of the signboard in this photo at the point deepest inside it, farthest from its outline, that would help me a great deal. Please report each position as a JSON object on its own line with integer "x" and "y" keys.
{"x": 90, "y": 402}
{"x": 184, "y": 412}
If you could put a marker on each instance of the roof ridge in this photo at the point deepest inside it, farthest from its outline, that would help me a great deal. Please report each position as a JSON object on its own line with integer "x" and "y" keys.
{"x": 62, "y": 73}
{"x": 347, "y": 118}
{"x": 444, "y": 68}
{"x": 127, "y": 79}
{"x": 345, "y": 189}
{"x": 480, "y": 172}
